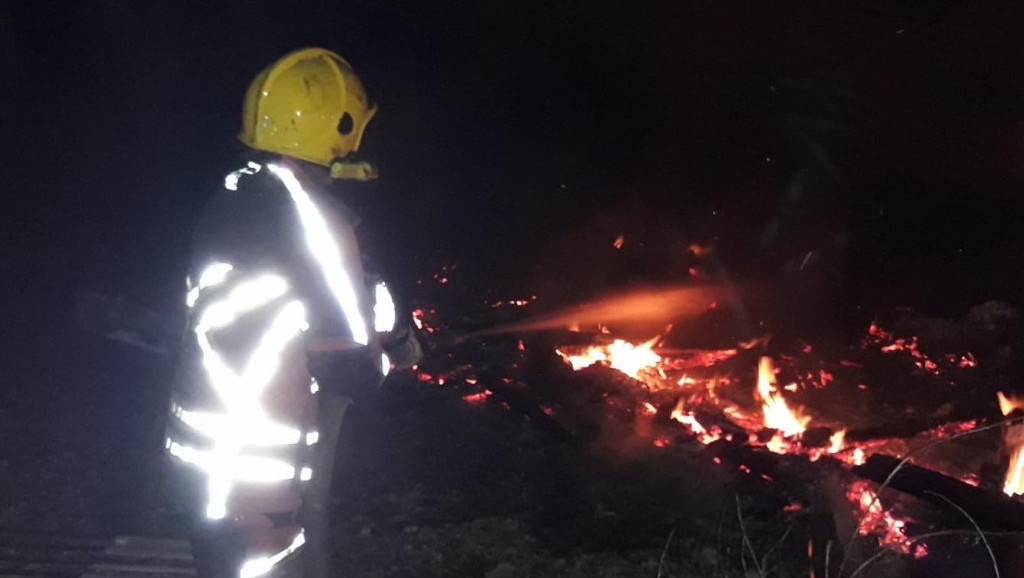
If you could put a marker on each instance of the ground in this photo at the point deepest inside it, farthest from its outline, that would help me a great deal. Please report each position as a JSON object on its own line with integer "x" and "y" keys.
{"x": 446, "y": 490}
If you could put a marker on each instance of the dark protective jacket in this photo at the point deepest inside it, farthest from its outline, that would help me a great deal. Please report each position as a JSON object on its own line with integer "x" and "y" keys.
{"x": 276, "y": 266}
{"x": 253, "y": 223}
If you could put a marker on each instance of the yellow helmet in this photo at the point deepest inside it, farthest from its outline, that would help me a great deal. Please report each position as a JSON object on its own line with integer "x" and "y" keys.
{"x": 309, "y": 105}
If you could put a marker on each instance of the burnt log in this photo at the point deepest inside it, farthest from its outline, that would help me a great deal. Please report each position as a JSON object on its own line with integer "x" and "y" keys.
{"x": 520, "y": 401}
{"x": 905, "y": 428}
{"x": 992, "y": 510}
{"x": 817, "y": 437}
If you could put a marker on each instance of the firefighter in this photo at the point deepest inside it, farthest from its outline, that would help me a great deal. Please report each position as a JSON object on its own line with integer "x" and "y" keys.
{"x": 286, "y": 328}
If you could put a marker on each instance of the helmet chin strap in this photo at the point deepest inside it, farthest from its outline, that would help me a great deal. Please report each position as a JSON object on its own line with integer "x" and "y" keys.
{"x": 352, "y": 170}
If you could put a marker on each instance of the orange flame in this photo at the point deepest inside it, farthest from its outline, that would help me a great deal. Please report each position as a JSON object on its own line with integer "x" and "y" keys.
{"x": 621, "y": 355}
{"x": 836, "y": 441}
{"x": 1008, "y": 404}
{"x": 681, "y": 415}
{"x": 836, "y": 447}
{"x": 1013, "y": 485}
{"x": 858, "y": 457}
{"x": 777, "y": 414}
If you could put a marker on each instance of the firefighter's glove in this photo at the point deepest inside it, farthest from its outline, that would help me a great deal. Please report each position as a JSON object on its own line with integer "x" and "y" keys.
{"x": 403, "y": 348}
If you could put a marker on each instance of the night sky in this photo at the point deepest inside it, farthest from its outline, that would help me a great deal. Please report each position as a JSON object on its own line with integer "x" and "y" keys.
{"x": 519, "y": 138}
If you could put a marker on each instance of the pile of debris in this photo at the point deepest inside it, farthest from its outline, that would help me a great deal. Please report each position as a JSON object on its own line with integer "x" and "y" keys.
{"x": 896, "y": 438}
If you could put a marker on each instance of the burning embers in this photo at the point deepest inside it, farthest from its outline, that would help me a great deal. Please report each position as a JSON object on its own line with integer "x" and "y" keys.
{"x": 778, "y": 427}
{"x": 889, "y": 343}
{"x": 708, "y": 379}
{"x": 784, "y": 403}
{"x": 705, "y": 391}
{"x": 874, "y": 519}
{"x": 663, "y": 373}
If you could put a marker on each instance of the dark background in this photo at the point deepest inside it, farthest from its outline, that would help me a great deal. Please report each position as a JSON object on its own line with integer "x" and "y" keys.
{"x": 519, "y": 139}
{"x": 504, "y": 127}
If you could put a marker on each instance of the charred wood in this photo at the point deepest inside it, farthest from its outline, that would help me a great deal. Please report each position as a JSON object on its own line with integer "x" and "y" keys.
{"x": 905, "y": 428}
{"x": 991, "y": 509}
